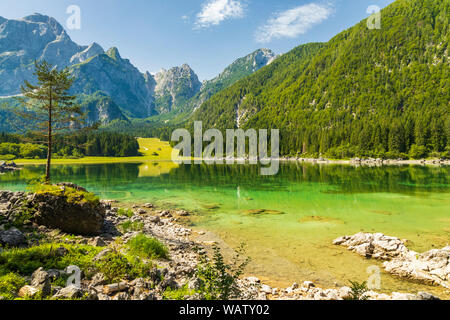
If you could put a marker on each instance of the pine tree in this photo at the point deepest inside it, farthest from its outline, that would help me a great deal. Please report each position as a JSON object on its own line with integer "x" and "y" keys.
{"x": 49, "y": 108}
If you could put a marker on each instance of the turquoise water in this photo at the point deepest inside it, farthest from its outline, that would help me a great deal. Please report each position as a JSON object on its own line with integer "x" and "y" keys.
{"x": 290, "y": 220}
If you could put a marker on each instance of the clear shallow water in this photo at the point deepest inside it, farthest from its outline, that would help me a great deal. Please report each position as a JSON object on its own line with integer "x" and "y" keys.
{"x": 319, "y": 204}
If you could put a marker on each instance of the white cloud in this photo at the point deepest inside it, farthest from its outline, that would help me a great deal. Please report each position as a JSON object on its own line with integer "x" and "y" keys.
{"x": 215, "y": 11}
{"x": 293, "y": 22}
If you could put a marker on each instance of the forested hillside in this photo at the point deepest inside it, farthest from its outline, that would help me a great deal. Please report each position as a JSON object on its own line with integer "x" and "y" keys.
{"x": 381, "y": 93}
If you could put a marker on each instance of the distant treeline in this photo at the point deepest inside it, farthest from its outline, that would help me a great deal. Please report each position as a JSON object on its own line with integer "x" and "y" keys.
{"x": 95, "y": 144}
{"x": 143, "y": 128}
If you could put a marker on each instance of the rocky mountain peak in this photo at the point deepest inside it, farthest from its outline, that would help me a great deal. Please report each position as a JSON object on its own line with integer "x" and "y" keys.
{"x": 114, "y": 54}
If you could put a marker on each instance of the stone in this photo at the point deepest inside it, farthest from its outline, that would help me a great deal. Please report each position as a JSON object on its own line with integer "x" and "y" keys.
{"x": 12, "y": 238}
{"x": 97, "y": 242}
{"x": 102, "y": 254}
{"x": 61, "y": 252}
{"x": 426, "y": 296}
{"x": 75, "y": 217}
{"x": 70, "y": 292}
{"x": 41, "y": 281}
{"x": 308, "y": 284}
{"x": 169, "y": 282}
{"x": 114, "y": 288}
{"x": 98, "y": 279}
{"x": 28, "y": 291}
{"x": 122, "y": 296}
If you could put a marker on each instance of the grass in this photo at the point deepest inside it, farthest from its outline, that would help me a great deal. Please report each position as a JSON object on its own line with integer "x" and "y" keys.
{"x": 18, "y": 263}
{"x": 178, "y": 294}
{"x": 25, "y": 261}
{"x": 125, "y": 213}
{"x": 10, "y": 285}
{"x": 147, "y": 248}
{"x": 149, "y": 147}
{"x": 129, "y": 226}
{"x": 73, "y": 196}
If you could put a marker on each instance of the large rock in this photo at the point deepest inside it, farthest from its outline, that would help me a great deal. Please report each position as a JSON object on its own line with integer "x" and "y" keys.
{"x": 12, "y": 238}
{"x": 41, "y": 281}
{"x": 70, "y": 292}
{"x": 76, "y": 217}
{"x": 377, "y": 246}
{"x": 432, "y": 267}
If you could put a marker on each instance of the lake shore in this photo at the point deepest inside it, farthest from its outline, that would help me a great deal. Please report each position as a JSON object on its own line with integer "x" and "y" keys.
{"x": 321, "y": 161}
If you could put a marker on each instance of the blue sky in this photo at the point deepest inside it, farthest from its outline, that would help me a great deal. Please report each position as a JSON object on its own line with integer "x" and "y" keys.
{"x": 206, "y": 34}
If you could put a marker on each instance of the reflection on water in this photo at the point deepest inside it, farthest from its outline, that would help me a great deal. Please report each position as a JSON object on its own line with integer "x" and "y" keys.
{"x": 288, "y": 220}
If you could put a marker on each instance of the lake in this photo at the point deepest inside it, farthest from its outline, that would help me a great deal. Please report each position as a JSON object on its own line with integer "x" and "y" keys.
{"x": 288, "y": 221}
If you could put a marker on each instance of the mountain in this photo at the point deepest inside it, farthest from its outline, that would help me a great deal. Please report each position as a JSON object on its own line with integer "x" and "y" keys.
{"x": 238, "y": 70}
{"x": 366, "y": 92}
{"x": 39, "y": 37}
{"x": 178, "y": 91}
{"x": 119, "y": 79}
{"x": 175, "y": 87}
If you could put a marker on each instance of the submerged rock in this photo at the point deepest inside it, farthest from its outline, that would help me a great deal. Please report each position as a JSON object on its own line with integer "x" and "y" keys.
{"x": 431, "y": 267}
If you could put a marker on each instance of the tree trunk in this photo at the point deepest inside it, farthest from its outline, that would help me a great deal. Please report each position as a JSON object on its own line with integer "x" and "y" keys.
{"x": 49, "y": 141}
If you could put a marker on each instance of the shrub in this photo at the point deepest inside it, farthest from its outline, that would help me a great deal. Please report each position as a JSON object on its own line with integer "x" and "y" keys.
{"x": 218, "y": 279}
{"x": 116, "y": 266}
{"x": 147, "y": 247}
{"x": 10, "y": 285}
{"x": 358, "y": 290}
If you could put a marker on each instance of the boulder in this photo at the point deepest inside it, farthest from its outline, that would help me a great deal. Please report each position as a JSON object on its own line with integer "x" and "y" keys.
{"x": 78, "y": 217}
{"x": 28, "y": 292}
{"x": 431, "y": 267}
{"x": 12, "y": 238}
{"x": 70, "y": 292}
{"x": 41, "y": 281}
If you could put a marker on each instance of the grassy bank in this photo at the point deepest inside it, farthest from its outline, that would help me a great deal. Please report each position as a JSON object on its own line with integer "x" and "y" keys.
{"x": 151, "y": 149}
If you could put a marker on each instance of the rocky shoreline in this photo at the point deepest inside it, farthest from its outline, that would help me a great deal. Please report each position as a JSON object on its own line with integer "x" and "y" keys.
{"x": 8, "y": 167}
{"x": 175, "y": 273}
{"x": 431, "y": 267}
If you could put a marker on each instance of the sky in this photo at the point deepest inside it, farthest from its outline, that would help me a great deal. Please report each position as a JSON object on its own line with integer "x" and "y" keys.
{"x": 206, "y": 34}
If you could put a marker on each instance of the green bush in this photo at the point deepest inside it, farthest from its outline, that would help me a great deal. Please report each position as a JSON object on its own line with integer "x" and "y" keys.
{"x": 358, "y": 290}
{"x": 146, "y": 247}
{"x": 218, "y": 279}
{"x": 116, "y": 267}
{"x": 10, "y": 285}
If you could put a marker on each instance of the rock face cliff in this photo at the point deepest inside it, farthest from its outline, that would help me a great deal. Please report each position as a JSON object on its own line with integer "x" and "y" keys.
{"x": 39, "y": 37}
{"x": 175, "y": 87}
